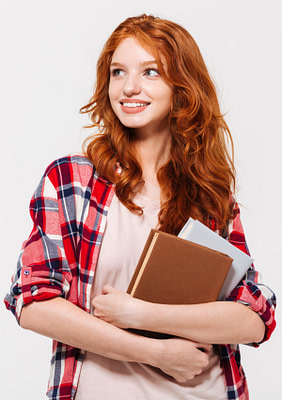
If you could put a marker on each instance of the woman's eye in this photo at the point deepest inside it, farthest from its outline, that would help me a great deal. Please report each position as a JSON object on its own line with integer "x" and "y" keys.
{"x": 117, "y": 72}
{"x": 152, "y": 72}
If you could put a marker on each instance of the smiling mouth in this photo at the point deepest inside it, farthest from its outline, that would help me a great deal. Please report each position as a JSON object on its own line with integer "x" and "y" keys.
{"x": 133, "y": 105}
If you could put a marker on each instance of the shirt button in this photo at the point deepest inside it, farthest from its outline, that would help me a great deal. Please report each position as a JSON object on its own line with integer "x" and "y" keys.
{"x": 26, "y": 272}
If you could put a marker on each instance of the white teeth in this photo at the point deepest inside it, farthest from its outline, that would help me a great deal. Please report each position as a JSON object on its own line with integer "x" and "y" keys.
{"x": 131, "y": 105}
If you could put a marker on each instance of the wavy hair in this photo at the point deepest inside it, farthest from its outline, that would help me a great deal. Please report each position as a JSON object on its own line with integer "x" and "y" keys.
{"x": 197, "y": 179}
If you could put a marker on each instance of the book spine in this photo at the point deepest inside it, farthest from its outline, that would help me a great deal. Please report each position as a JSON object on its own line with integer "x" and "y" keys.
{"x": 143, "y": 266}
{"x": 141, "y": 259}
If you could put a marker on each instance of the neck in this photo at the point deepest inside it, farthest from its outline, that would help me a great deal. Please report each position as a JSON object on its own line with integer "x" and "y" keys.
{"x": 152, "y": 149}
{"x": 152, "y": 152}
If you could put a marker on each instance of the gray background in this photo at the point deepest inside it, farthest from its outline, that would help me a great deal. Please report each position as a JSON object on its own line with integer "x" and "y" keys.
{"x": 48, "y": 56}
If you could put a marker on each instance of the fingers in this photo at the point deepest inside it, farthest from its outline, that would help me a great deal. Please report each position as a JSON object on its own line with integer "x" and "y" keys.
{"x": 204, "y": 357}
{"x": 185, "y": 359}
{"x": 204, "y": 347}
{"x": 108, "y": 289}
{"x": 182, "y": 377}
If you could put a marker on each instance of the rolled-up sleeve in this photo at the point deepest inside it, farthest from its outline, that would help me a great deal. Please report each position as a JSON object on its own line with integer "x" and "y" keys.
{"x": 43, "y": 270}
{"x": 250, "y": 291}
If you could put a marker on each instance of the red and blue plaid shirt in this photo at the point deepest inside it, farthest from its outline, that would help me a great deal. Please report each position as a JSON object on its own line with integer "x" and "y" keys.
{"x": 69, "y": 210}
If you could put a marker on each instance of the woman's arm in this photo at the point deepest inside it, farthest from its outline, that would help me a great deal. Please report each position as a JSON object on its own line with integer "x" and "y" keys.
{"x": 63, "y": 321}
{"x": 216, "y": 322}
{"x": 247, "y": 318}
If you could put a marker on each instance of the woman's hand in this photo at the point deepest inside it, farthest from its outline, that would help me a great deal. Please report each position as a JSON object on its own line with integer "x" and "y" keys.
{"x": 183, "y": 359}
{"x": 179, "y": 358}
{"x": 116, "y": 307}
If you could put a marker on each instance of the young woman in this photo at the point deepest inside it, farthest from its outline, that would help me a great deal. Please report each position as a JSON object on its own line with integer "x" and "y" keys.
{"x": 160, "y": 157}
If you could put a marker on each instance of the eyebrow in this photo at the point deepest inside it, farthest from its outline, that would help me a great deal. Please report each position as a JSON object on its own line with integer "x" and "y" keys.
{"x": 117, "y": 64}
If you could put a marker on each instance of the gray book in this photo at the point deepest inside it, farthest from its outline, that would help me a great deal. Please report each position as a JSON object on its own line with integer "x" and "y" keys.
{"x": 199, "y": 233}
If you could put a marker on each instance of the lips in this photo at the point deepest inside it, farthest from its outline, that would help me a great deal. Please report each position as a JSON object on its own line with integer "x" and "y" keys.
{"x": 133, "y": 106}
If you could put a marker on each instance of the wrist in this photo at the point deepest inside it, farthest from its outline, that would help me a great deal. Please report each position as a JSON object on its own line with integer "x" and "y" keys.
{"x": 139, "y": 315}
{"x": 152, "y": 352}
{"x": 146, "y": 316}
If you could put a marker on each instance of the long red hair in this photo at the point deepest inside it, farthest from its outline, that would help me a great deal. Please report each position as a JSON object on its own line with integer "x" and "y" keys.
{"x": 199, "y": 175}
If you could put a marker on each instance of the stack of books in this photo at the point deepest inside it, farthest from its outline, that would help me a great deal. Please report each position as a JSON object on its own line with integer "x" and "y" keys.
{"x": 197, "y": 266}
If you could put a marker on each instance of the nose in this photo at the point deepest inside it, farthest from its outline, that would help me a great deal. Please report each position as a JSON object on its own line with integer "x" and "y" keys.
{"x": 132, "y": 85}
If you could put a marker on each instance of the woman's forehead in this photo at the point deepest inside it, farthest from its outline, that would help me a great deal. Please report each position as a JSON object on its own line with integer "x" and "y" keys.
{"x": 134, "y": 46}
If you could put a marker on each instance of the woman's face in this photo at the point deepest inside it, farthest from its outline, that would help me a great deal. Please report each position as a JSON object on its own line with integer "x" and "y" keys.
{"x": 139, "y": 96}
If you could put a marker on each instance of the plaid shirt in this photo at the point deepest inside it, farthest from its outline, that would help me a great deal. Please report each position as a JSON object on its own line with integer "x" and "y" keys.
{"x": 69, "y": 210}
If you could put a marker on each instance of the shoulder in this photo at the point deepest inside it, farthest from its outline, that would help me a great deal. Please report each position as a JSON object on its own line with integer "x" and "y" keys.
{"x": 73, "y": 169}
{"x": 70, "y": 162}
{"x": 68, "y": 169}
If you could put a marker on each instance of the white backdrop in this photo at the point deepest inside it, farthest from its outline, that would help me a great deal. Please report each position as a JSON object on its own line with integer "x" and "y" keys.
{"x": 48, "y": 55}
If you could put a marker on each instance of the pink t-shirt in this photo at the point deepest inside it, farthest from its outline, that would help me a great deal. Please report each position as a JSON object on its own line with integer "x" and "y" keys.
{"x": 104, "y": 378}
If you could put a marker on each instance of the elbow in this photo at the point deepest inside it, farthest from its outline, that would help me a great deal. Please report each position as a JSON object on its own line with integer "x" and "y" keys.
{"x": 256, "y": 331}
{"x": 259, "y": 333}
{"x": 25, "y": 316}
{"x": 252, "y": 327}
{"x": 22, "y": 320}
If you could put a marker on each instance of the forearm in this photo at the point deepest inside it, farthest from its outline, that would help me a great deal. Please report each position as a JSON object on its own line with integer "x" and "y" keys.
{"x": 61, "y": 320}
{"x": 216, "y": 322}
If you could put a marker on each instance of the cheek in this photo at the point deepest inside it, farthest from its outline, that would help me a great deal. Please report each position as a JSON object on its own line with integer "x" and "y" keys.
{"x": 112, "y": 96}
{"x": 111, "y": 92}
{"x": 165, "y": 94}
{"x": 167, "y": 101}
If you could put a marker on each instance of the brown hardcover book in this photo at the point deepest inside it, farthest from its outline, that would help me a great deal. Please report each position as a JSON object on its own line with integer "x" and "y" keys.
{"x": 172, "y": 270}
